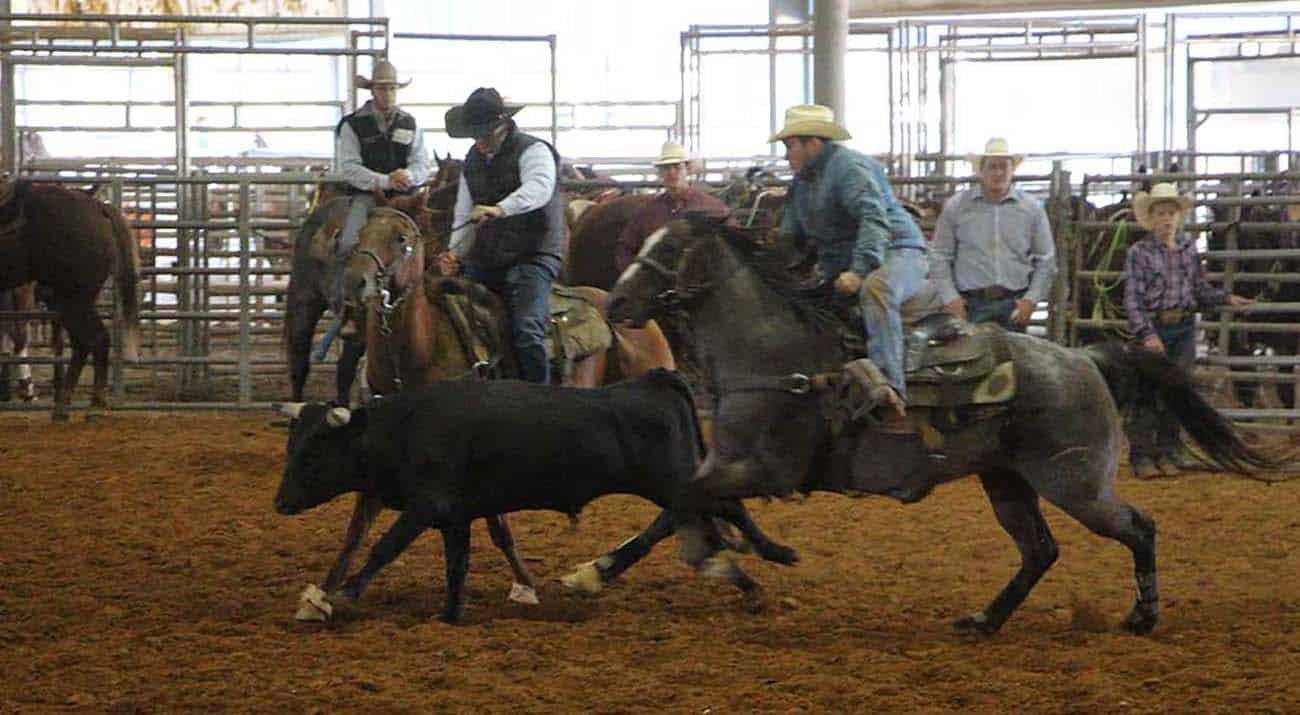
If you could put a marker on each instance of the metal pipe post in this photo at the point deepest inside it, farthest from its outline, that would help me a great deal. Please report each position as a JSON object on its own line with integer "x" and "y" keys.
{"x": 555, "y": 83}
{"x": 245, "y": 318}
{"x": 830, "y": 45}
{"x": 1141, "y": 83}
{"x": 1171, "y": 48}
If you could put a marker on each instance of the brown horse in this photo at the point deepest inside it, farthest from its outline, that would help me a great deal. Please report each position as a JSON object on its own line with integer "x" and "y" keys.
{"x": 69, "y": 242}
{"x": 14, "y": 336}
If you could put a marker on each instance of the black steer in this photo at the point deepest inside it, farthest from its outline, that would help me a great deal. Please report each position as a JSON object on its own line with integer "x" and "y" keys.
{"x": 461, "y": 450}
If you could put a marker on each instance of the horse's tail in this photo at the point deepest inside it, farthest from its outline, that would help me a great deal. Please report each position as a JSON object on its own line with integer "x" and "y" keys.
{"x": 126, "y": 277}
{"x": 1133, "y": 372}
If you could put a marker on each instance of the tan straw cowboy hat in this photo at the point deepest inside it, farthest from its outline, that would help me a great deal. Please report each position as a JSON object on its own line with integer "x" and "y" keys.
{"x": 671, "y": 153}
{"x": 1160, "y": 193}
{"x": 811, "y": 120}
{"x": 384, "y": 74}
{"x": 995, "y": 147}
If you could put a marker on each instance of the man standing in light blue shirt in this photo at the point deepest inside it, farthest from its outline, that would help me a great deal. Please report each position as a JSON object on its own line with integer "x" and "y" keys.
{"x": 866, "y": 242}
{"x": 993, "y": 259}
{"x": 510, "y": 218}
{"x": 376, "y": 147}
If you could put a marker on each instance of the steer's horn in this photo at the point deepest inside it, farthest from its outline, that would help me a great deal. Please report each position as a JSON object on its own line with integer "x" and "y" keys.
{"x": 289, "y": 409}
{"x": 338, "y": 416}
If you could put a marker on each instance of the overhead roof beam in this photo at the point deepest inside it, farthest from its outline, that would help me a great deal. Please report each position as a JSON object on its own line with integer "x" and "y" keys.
{"x": 870, "y": 9}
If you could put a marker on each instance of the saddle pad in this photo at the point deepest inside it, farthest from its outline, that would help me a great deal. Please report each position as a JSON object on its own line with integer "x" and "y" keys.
{"x": 576, "y": 328}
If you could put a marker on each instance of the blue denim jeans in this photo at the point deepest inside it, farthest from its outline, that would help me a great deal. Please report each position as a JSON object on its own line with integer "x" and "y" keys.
{"x": 998, "y": 310}
{"x": 1154, "y": 432}
{"x": 526, "y": 288}
{"x": 884, "y": 290}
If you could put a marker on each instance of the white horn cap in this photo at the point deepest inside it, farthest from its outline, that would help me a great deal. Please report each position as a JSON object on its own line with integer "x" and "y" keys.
{"x": 289, "y": 409}
{"x": 338, "y": 416}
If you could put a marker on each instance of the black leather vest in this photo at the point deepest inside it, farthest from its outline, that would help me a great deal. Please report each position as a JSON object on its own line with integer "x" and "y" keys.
{"x": 379, "y": 153}
{"x": 515, "y": 239}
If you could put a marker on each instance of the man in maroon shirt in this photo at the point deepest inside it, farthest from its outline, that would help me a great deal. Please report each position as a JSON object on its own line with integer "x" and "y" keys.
{"x": 676, "y": 200}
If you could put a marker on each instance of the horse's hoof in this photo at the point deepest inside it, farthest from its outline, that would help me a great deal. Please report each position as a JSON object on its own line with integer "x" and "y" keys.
{"x": 451, "y": 616}
{"x": 975, "y": 623}
{"x": 60, "y": 416}
{"x": 313, "y": 605}
{"x": 783, "y": 555}
{"x": 584, "y": 579}
{"x": 1140, "y": 621}
{"x": 526, "y": 595}
{"x": 27, "y": 390}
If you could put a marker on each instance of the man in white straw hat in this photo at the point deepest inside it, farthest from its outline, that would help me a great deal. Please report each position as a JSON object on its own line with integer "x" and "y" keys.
{"x": 509, "y": 219}
{"x": 677, "y": 199}
{"x": 866, "y": 242}
{"x": 993, "y": 259}
{"x": 1164, "y": 287}
{"x": 377, "y": 146}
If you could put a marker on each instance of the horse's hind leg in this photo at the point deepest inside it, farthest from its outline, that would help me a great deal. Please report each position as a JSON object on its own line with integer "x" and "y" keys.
{"x": 1091, "y": 500}
{"x": 86, "y": 332}
{"x": 1016, "y": 506}
{"x": 523, "y": 590}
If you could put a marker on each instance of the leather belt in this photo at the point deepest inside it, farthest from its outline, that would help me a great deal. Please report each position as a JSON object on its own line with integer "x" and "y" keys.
{"x": 992, "y": 293}
{"x": 1173, "y": 316}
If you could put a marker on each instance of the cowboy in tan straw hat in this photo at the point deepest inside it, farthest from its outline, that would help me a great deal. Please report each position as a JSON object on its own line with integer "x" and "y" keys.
{"x": 993, "y": 259}
{"x": 379, "y": 147}
{"x": 509, "y": 216}
{"x": 676, "y": 200}
{"x": 1164, "y": 288}
{"x": 867, "y": 244}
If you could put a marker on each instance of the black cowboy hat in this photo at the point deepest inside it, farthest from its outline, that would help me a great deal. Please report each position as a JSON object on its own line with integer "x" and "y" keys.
{"x": 479, "y": 114}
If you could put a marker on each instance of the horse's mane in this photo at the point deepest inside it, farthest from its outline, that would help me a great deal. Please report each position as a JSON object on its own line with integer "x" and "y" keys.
{"x": 770, "y": 266}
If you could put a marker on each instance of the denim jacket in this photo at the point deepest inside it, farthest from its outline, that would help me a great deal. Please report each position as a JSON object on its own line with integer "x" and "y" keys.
{"x": 845, "y": 204}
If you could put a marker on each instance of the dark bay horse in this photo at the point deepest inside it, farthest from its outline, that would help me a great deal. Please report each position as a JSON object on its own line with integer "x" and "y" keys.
{"x": 1059, "y": 436}
{"x": 412, "y": 342}
{"x": 312, "y": 278}
{"x": 14, "y": 336}
{"x": 1263, "y": 286}
{"x": 69, "y": 243}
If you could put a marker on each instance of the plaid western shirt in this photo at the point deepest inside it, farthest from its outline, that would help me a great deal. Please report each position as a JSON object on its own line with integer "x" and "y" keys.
{"x": 1157, "y": 278}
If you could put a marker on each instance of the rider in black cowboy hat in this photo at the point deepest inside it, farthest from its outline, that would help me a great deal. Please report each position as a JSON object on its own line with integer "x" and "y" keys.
{"x": 511, "y": 214}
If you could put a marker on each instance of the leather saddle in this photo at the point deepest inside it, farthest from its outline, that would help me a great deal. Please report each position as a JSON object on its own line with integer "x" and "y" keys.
{"x": 576, "y": 328}
{"x": 947, "y": 361}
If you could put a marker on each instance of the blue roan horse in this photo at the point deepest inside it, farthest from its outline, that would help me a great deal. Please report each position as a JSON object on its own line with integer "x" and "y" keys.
{"x": 1058, "y": 437}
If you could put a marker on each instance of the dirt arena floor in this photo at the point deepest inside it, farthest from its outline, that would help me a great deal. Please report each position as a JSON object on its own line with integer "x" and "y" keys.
{"x": 143, "y": 569}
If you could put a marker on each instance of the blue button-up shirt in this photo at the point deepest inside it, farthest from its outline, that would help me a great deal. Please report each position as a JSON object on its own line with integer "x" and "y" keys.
{"x": 847, "y": 207}
{"x": 979, "y": 243}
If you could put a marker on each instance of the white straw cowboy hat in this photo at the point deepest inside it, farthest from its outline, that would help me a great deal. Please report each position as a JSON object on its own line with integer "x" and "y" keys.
{"x": 995, "y": 147}
{"x": 1160, "y": 193}
{"x": 383, "y": 74}
{"x": 671, "y": 153}
{"x": 811, "y": 120}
